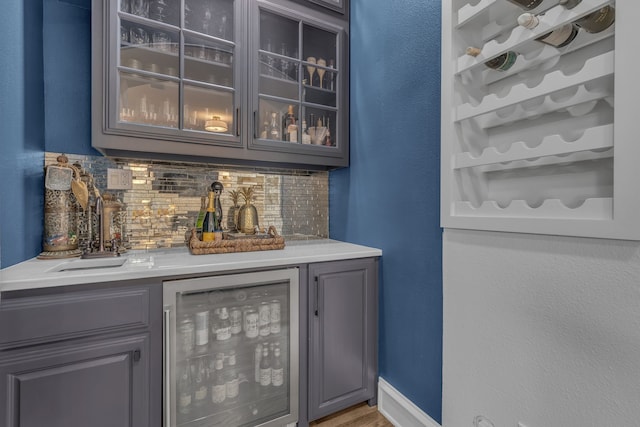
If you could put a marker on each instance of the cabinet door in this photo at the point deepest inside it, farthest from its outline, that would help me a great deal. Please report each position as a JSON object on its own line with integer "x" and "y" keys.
{"x": 93, "y": 383}
{"x": 298, "y": 87}
{"x": 342, "y": 335}
{"x": 167, "y": 71}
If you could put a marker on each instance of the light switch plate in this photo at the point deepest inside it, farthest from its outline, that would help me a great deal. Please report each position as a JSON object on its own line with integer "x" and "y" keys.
{"x": 119, "y": 179}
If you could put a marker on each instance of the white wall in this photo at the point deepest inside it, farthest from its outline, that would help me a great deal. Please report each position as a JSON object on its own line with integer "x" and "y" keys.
{"x": 544, "y": 330}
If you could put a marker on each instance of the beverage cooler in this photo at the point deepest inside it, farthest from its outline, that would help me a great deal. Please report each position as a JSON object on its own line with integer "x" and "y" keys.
{"x": 231, "y": 350}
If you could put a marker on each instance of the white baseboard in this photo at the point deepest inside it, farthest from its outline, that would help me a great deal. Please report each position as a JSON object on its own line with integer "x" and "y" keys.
{"x": 399, "y": 410}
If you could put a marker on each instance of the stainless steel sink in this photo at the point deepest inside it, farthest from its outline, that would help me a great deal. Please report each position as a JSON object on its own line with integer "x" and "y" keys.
{"x": 88, "y": 264}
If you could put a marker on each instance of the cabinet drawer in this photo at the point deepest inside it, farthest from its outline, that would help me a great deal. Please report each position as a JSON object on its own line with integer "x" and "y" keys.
{"x": 30, "y": 320}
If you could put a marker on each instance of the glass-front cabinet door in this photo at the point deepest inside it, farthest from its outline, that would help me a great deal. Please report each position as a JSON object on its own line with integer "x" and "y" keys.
{"x": 178, "y": 69}
{"x": 299, "y": 96}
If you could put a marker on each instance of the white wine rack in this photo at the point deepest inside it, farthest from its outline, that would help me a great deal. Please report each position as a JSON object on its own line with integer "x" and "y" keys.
{"x": 548, "y": 146}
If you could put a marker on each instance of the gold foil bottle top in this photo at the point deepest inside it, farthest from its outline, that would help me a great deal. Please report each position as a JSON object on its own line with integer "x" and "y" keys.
{"x": 528, "y": 21}
{"x": 473, "y": 51}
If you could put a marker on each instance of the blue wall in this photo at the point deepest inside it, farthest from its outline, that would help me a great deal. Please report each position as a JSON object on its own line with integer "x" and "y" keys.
{"x": 22, "y": 131}
{"x": 389, "y": 197}
{"x": 45, "y": 105}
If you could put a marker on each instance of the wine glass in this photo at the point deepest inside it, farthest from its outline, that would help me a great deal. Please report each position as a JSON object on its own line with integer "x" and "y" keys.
{"x": 311, "y": 69}
{"x": 321, "y": 71}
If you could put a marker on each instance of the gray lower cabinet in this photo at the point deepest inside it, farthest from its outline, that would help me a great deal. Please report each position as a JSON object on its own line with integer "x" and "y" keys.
{"x": 342, "y": 335}
{"x": 82, "y": 357}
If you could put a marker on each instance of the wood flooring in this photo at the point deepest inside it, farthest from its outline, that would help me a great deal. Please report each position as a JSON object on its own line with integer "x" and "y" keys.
{"x": 357, "y": 416}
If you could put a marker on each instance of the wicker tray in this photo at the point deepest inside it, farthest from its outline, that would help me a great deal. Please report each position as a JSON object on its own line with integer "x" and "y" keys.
{"x": 198, "y": 247}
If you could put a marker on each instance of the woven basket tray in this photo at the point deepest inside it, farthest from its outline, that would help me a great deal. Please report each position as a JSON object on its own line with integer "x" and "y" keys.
{"x": 198, "y": 247}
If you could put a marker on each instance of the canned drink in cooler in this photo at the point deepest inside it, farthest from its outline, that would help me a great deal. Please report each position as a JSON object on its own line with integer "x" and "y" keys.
{"x": 235, "y": 316}
{"x": 251, "y": 323}
{"x": 274, "y": 308}
{"x": 264, "y": 312}
{"x": 202, "y": 328}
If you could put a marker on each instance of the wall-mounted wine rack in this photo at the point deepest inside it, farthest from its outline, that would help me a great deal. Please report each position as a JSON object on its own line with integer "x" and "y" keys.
{"x": 547, "y": 145}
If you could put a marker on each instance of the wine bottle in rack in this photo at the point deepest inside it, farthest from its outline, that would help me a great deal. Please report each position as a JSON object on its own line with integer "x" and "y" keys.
{"x": 532, "y": 4}
{"x": 597, "y": 21}
{"x": 560, "y": 37}
{"x": 499, "y": 63}
{"x": 527, "y": 4}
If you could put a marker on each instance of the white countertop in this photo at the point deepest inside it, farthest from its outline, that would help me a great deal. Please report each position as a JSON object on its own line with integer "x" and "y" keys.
{"x": 166, "y": 263}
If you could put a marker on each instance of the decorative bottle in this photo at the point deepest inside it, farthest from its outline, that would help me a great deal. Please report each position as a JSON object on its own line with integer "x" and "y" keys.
{"x": 274, "y": 129}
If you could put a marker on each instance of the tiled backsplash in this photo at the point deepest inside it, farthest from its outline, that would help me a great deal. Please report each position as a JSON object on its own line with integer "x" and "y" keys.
{"x": 165, "y": 197}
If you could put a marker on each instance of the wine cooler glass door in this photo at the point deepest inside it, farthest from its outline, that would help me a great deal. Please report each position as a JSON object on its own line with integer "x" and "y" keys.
{"x": 231, "y": 350}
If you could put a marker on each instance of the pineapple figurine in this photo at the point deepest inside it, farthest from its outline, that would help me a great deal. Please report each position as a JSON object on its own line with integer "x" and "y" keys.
{"x": 234, "y": 210}
{"x": 248, "y": 214}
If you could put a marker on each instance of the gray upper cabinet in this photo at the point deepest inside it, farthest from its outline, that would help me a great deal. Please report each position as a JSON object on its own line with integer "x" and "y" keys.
{"x": 214, "y": 80}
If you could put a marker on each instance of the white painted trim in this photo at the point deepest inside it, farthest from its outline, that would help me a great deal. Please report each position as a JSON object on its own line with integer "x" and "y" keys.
{"x": 399, "y": 410}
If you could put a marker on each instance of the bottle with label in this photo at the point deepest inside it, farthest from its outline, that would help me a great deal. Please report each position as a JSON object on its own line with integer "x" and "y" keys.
{"x": 277, "y": 370}
{"x": 209, "y": 222}
{"x": 560, "y": 37}
{"x": 306, "y": 138}
{"x": 223, "y": 332}
{"x": 219, "y": 385}
{"x": 231, "y": 378}
{"x": 265, "y": 367}
{"x": 200, "y": 383}
{"x": 499, "y": 63}
{"x": 257, "y": 359}
{"x": 217, "y": 188}
{"x": 274, "y": 129}
{"x": 184, "y": 390}
{"x": 200, "y": 218}
{"x": 289, "y": 126}
{"x": 597, "y": 21}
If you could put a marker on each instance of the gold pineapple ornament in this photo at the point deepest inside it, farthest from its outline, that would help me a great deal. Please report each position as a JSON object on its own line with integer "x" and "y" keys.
{"x": 248, "y": 214}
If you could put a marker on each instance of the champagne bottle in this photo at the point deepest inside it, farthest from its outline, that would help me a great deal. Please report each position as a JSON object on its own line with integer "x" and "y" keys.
{"x": 499, "y": 63}
{"x": 209, "y": 222}
{"x": 597, "y": 21}
{"x": 277, "y": 370}
{"x": 201, "y": 214}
